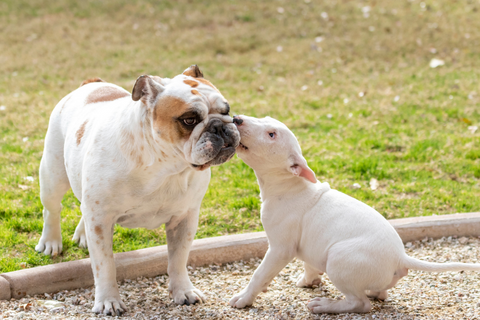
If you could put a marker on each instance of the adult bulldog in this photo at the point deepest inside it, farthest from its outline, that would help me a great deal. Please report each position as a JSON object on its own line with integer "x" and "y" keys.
{"x": 138, "y": 160}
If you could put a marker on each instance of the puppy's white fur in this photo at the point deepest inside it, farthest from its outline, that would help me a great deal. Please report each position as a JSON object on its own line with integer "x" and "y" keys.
{"x": 330, "y": 231}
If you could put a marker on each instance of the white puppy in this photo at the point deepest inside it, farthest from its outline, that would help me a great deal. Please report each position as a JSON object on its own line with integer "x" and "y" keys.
{"x": 330, "y": 231}
{"x": 139, "y": 160}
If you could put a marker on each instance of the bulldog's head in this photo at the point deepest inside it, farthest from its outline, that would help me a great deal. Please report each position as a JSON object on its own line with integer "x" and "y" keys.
{"x": 268, "y": 145}
{"x": 191, "y": 114}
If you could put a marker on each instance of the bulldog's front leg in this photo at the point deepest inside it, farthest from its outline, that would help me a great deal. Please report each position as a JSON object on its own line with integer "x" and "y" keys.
{"x": 275, "y": 260}
{"x": 99, "y": 231}
{"x": 180, "y": 233}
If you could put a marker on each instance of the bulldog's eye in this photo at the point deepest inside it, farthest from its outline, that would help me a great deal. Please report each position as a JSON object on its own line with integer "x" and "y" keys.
{"x": 190, "y": 121}
{"x": 272, "y": 135}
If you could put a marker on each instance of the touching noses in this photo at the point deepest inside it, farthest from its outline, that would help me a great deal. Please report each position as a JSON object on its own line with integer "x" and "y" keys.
{"x": 237, "y": 120}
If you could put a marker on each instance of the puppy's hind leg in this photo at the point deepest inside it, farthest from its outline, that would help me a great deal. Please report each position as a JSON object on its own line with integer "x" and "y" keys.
{"x": 350, "y": 274}
{"x": 311, "y": 277}
{"x": 383, "y": 295}
{"x": 355, "y": 298}
{"x": 380, "y": 295}
{"x": 354, "y": 302}
{"x": 53, "y": 185}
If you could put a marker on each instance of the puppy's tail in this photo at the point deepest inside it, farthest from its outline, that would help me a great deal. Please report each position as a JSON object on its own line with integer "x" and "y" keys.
{"x": 415, "y": 264}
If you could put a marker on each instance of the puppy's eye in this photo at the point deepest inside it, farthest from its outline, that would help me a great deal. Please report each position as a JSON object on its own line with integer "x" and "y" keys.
{"x": 272, "y": 135}
{"x": 190, "y": 121}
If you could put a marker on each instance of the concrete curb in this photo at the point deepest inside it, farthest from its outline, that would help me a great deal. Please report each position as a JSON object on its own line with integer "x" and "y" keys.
{"x": 151, "y": 262}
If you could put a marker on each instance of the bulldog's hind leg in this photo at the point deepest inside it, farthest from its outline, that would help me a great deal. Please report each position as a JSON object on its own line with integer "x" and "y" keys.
{"x": 79, "y": 236}
{"x": 311, "y": 277}
{"x": 53, "y": 185}
{"x": 180, "y": 233}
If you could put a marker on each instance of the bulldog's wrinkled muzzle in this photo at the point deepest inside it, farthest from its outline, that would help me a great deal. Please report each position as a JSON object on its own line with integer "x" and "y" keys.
{"x": 216, "y": 144}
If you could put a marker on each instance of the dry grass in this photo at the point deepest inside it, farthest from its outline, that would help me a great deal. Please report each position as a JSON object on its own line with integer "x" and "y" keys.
{"x": 418, "y": 145}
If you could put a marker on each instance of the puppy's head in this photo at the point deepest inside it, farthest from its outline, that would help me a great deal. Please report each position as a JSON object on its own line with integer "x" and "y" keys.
{"x": 268, "y": 145}
{"x": 189, "y": 113}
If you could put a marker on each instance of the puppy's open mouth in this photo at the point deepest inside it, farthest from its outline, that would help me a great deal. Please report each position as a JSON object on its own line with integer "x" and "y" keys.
{"x": 242, "y": 146}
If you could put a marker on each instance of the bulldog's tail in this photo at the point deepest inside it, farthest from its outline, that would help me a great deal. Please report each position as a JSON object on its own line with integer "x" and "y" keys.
{"x": 415, "y": 264}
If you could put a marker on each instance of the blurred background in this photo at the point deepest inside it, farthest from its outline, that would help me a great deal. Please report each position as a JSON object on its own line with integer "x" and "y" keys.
{"x": 383, "y": 96}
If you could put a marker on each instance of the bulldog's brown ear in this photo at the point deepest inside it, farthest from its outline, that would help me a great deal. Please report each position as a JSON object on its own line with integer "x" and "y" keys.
{"x": 193, "y": 71}
{"x": 146, "y": 89}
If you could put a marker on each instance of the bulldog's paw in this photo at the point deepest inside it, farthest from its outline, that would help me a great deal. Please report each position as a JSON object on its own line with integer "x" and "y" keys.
{"x": 51, "y": 245}
{"x": 80, "y": 236}
{"x": 303, "y": 282}
{"x": 241, "y": 300}
{"x": 112, "y": 306}
{"x": 188, "y": 296}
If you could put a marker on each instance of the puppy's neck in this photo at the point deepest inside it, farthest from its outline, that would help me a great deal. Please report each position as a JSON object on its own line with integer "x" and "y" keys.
{"x": 276, "y": 183}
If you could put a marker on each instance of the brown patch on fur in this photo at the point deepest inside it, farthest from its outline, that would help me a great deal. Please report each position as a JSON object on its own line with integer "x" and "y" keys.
{"x": 195, "y": 92}
{"x": 81, "y": 132}
{"x": 163, "y": 154}
{"x": 98, "y": 268}
{"x": 91, "y": 80}
{"x": 208, "y": 83}
{"x": 104, "y": 94}
{"x": 167, "y": 109}
{"x": 97, "y": 202}
{"x": 191, "y": 83}
{"x": 98, "y": 232}
{"x": 63, "y": 105}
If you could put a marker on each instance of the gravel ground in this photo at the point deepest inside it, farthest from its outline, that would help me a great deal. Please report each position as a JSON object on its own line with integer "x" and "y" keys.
{"x": 420, "y": 295}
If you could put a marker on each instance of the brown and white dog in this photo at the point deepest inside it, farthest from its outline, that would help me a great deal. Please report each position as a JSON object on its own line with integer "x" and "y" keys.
{"x": 138, "y": 160}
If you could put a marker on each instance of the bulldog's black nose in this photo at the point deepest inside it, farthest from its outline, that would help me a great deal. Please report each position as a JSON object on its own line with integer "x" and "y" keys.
{"x": 237, "y": 120}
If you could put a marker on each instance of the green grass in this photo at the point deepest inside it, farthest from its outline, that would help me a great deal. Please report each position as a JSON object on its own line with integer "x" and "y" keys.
{"x": 418, "y": 145}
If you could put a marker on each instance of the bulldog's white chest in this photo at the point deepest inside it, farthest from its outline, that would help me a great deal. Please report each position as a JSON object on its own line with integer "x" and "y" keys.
{"x": 174, "y": 197}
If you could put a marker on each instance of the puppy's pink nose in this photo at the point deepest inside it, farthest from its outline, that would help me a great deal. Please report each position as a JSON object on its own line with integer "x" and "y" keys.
{"x": 237, "y": 120}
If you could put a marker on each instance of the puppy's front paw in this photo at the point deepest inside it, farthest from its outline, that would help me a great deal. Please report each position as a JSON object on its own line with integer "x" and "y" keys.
{"x": 241, "y": 300}
{"x": 112, "y": 306}
{"x": 50, "y": 245}
{"x": 303, "y": 282}
{"x": 188, "y": 296}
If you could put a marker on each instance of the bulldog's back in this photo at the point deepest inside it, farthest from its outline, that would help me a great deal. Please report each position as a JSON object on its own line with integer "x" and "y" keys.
{"x": 93, "y": 102}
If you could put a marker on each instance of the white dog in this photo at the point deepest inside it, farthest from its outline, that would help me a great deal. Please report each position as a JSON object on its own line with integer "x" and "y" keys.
{"x": 138, "y": 160}
{"x": 330, "y": 231}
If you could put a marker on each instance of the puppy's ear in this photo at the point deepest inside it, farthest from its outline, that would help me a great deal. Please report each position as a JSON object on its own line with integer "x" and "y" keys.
{"x": 147, "y": 90}
{"x": 193, "y": 71}
{"x": 300, "y": 168}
